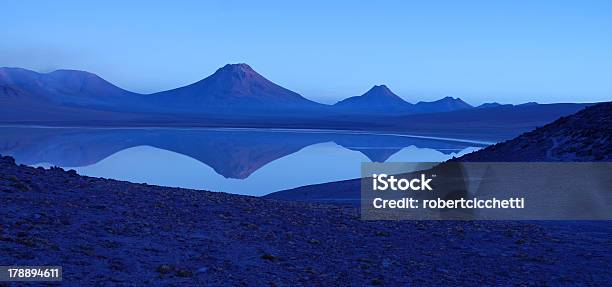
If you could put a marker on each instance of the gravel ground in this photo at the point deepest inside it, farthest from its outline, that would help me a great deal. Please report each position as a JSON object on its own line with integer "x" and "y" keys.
{"x": 112, "y": 233}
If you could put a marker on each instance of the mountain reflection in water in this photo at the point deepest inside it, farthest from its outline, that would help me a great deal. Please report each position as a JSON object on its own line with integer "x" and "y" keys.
{"x": 244, "y": 161}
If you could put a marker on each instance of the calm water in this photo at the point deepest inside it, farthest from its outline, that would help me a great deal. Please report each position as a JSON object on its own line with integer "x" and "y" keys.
{"x": 244, "y": 161}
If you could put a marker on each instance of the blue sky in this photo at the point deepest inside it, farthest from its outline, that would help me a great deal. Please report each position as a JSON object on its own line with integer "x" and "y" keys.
{"x": 481, "y": 51}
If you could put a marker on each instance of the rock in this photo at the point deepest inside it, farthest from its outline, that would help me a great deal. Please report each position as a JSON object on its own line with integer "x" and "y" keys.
{"x": 56, "y": 169}
{"x": 116, "y": 264}
{"x": 386, "y": 263}
{"x": 184, "y": 273}
{"x": 18, "y": 184}
{"x": 164, "y": 269}
{"x": 9, "y": 160}
{"x": 269, "y": 257}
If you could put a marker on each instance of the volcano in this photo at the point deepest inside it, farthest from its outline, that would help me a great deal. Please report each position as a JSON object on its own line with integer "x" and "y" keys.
{"x": 234, "y": 86}
{"x": 379, "y": 99}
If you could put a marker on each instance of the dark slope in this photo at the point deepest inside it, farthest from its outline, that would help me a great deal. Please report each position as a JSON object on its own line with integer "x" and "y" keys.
{"x": 105, "y": 232}
{"x": 584, "y": 136}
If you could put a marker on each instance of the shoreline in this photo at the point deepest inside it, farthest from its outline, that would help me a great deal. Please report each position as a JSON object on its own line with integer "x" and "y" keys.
{"x": 258, "y": 129}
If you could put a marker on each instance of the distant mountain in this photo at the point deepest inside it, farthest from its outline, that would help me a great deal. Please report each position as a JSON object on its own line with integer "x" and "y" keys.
{"x": 584, "y": 136}
{"x": 379, "y": 99}
{"x": 235, "y": 95}
{"x": 495, "y": 105}
{"x": 230, "y": 91}
{"x": 59, "y": 88}
{"x": 445, "y": 104}
{"x": 491, "y": 105}
{"x": 10, "y": 94}
{"x": 528, "y": 104}
{"x": 232, "y": 87}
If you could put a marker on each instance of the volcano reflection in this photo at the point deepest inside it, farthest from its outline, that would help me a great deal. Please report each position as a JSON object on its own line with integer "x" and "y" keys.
{"x": 234, "y": 154}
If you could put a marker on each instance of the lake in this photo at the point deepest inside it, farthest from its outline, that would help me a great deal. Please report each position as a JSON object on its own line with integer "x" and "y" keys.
{"x": 243, "y": 161}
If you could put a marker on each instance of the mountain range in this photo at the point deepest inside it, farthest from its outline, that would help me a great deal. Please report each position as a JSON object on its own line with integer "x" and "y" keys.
{"x": 380, "y": 99}
{"x": 59, "y": 88}
{"x": 232, "y": 90}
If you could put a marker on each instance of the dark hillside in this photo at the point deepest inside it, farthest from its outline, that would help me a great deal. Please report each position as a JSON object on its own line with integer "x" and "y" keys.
{"x": 584, "y": 136}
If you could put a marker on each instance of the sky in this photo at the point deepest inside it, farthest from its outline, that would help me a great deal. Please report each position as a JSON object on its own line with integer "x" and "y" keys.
{"x": 481, "y": 51}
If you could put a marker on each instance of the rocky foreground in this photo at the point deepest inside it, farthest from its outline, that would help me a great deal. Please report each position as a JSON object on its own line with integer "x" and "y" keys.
{"x": 111, "y": 233}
